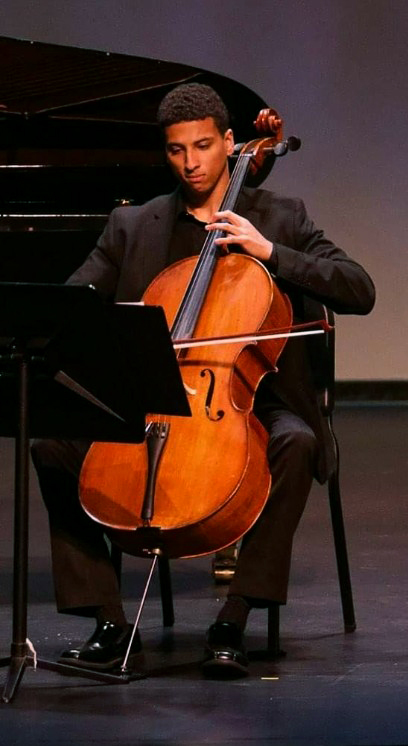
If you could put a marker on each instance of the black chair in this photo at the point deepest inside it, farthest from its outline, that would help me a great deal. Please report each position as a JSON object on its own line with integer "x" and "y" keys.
{"x": 322, "y": 348}
{"x": 224, "y": 561}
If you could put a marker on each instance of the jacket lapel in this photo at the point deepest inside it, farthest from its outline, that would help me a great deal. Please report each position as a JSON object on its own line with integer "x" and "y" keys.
{"x": 156, "y": 234}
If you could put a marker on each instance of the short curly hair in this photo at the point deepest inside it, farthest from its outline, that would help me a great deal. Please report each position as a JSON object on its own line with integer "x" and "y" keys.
{"x": 190, "y": 101}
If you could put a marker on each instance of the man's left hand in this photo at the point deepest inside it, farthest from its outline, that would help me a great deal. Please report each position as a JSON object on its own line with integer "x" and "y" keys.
{"x": 240, "y": 231}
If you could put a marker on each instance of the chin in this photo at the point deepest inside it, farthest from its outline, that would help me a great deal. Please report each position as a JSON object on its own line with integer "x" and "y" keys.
{"x": 198, "y": 192}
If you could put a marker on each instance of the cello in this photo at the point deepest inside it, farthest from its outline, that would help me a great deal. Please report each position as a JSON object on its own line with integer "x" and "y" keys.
{"x": 198, "y": 484}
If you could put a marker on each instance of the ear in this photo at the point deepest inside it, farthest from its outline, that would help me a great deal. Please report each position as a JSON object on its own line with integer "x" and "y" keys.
{"x": 229, "y": 141}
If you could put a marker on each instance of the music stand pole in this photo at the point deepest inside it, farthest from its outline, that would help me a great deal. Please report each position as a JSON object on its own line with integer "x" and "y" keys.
{"x": 18, "y": 657}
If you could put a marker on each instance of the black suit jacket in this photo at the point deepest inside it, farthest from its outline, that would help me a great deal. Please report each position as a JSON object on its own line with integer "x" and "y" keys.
{"x": 133, "y": 249}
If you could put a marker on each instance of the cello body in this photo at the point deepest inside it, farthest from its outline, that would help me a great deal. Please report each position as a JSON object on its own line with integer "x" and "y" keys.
{"x": 211, "y": 475}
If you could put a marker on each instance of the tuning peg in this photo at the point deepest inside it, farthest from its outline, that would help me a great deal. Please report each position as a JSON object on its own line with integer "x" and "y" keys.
{"x": 281, "y": 148}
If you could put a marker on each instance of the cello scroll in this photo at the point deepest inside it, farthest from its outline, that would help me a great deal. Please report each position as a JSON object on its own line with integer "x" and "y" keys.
{"x": 264, "y": 150}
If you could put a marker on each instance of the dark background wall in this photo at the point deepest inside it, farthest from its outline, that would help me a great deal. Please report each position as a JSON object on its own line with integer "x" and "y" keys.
{"x": 336, "y": 70}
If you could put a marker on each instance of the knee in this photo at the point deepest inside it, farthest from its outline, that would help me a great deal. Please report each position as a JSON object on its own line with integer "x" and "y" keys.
{"x": 46, "y": 453}
{"x": 58, "y": 455}
{"x": 58, "y": 465}
{"x": 296, "y": 444}
{"x": 302, "y": 441}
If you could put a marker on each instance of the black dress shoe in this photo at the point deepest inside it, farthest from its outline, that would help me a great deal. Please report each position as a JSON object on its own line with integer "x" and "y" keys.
{"x": 225, "y": 656}
{"x": 105, "y": 649}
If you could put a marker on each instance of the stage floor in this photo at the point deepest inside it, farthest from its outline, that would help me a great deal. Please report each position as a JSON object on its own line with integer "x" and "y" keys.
{"x": 331, "y": 688}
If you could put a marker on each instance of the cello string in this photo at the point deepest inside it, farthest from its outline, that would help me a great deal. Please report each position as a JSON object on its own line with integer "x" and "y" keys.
{"x": 193, "y": 298}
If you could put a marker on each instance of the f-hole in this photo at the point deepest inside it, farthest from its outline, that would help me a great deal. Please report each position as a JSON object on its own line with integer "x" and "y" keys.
{"x": 209, "y": 397}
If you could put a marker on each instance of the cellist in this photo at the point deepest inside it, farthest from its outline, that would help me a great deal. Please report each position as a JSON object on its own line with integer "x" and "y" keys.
{"x": 139, "y": 242}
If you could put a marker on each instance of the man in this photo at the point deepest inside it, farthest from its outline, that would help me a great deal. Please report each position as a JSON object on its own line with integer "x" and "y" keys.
{"x": 138, "y": 242}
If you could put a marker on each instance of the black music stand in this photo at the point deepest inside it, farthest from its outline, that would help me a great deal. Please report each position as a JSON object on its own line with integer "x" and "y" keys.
{"x": 73, "y": 367}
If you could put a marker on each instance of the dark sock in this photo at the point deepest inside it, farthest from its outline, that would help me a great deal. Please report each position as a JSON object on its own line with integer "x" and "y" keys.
{"x": 111, "y": 613}
{"x": 236, "y": 610}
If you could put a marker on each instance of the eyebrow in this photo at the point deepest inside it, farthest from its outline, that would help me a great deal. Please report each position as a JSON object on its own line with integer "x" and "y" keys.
{"x": 196, "y": 142}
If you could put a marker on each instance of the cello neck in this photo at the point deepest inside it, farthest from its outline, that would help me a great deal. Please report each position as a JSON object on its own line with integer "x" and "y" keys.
{"x": 188, "y": 312}
{"x": 251, "y": 157}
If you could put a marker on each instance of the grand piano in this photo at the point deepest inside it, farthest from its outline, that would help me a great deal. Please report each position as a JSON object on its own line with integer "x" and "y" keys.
{"x": 78, "y": 137}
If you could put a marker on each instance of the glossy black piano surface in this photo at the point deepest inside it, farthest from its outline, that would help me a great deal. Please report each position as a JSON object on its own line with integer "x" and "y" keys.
{"x": 77, "y": 138}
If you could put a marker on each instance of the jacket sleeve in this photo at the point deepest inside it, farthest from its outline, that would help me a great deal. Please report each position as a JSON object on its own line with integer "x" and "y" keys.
{"x": 316, "y": 267}
{"x": 102, "y": 267}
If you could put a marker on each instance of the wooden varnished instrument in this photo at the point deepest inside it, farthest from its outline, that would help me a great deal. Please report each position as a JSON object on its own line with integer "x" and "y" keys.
{"x": 198, "y": 484}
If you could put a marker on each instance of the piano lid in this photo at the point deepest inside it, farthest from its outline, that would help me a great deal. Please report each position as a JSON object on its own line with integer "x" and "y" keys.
{"x": 49, "y": 93}
{"x": 78, "y": 131}
{"x": 78, "y": 136}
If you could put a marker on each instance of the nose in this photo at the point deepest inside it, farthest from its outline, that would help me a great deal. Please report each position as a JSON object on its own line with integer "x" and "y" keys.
{"x": 191, "y": 160}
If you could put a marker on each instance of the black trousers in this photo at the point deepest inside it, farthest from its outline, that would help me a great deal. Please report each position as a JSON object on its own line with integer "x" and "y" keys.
{"x": 84, "y": 576}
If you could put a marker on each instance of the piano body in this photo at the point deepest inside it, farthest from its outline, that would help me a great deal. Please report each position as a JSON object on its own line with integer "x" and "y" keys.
{"x": 78, "y": 137}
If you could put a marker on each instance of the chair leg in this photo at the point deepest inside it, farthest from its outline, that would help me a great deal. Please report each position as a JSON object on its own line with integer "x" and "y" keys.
{"x": 341, "y": 552}
{"x": 166, "y": 592}
{"x": 274, "y": 650}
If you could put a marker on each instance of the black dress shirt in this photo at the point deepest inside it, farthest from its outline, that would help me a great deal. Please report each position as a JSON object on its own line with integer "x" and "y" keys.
{"x": 187, "y": 238}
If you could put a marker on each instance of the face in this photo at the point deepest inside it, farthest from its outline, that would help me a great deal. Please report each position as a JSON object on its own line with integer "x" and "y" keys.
{"x": 197, "y": 154}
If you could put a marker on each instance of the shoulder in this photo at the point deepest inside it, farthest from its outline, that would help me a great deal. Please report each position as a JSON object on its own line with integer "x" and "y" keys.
{"x": 131, "y": 215}
{"x": 276, "y": 216}
{"x": 263, "y": 199}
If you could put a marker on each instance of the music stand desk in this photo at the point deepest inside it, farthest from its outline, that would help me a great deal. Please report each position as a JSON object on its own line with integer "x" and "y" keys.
{"x": 73, "y": 367}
